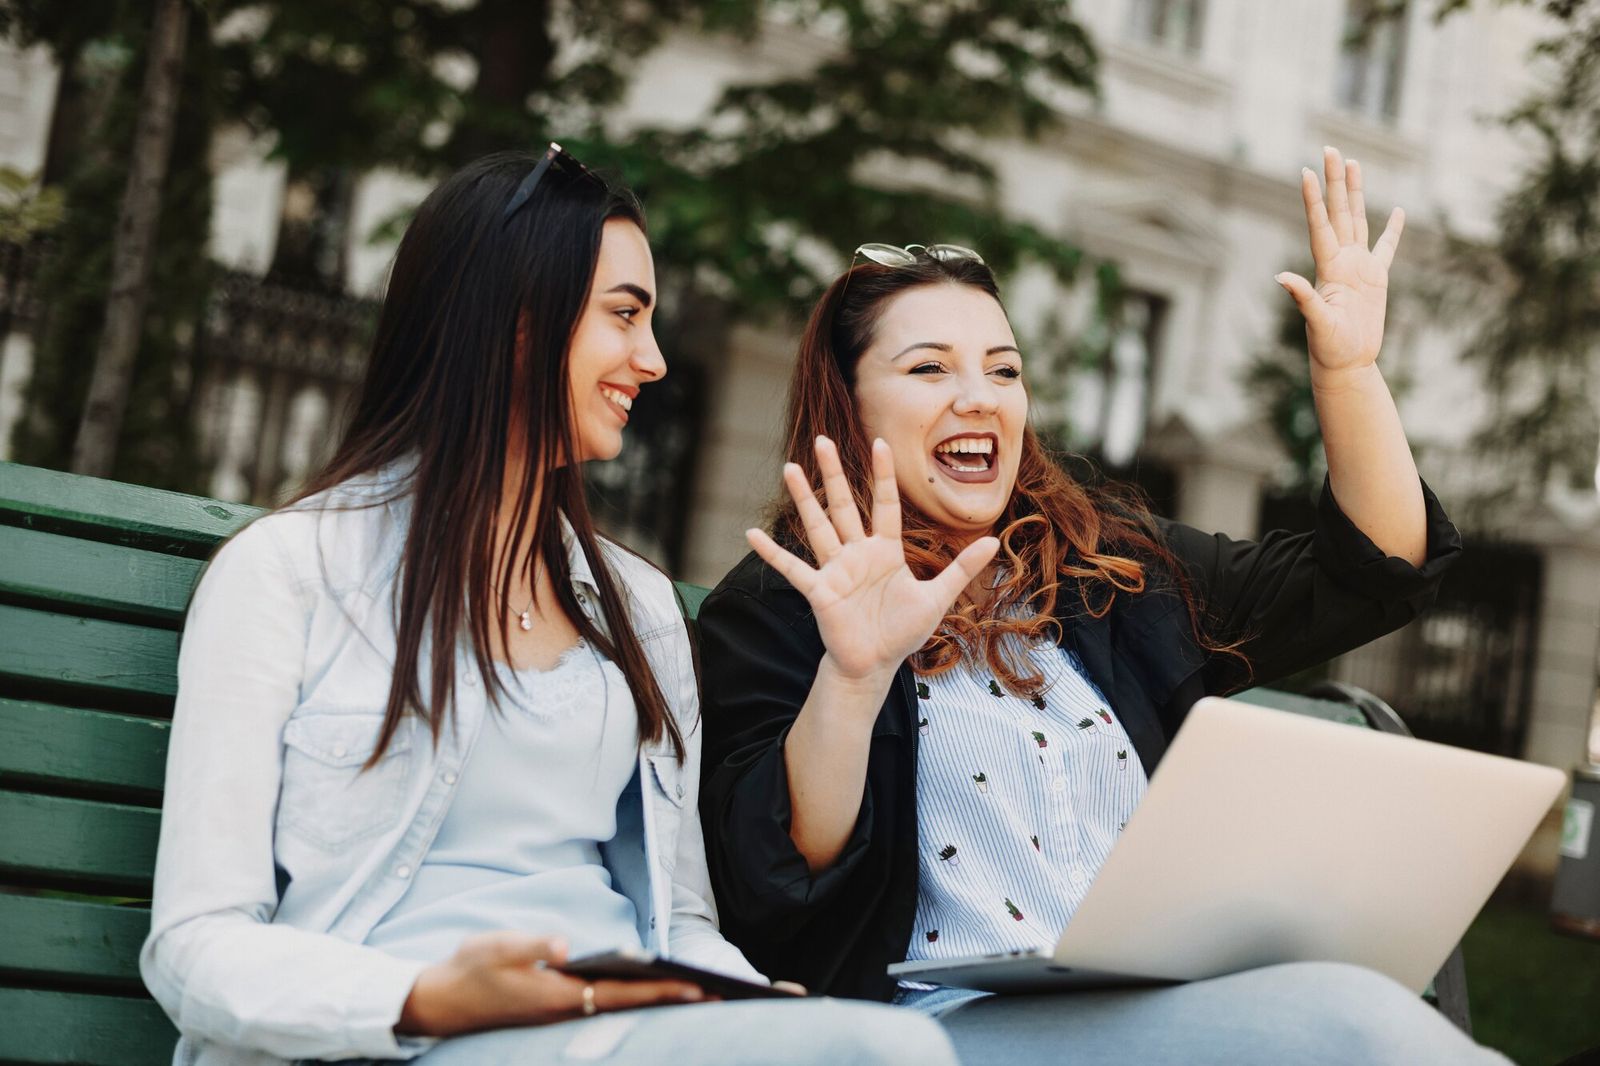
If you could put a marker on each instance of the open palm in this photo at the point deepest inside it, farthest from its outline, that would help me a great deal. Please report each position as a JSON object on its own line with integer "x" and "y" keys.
{"x": 871, "y": 610}
{"x": 1344, "y": 312}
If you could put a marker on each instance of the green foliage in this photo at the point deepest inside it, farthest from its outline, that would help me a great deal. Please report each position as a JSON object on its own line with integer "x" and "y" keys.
{"x": 877, "y": 141}
{"x": 26, "y": 210}
{"x": 1278, "y": 381}
{"x": 753, "y": 206}
{"x": 1536, "y": 347}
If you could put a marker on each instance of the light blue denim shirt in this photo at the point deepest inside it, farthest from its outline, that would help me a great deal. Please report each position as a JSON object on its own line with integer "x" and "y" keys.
{"x": 278, "y": 856}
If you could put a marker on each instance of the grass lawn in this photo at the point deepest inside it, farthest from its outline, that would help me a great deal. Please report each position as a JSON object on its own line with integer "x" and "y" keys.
{"x": 1535, "y": 993}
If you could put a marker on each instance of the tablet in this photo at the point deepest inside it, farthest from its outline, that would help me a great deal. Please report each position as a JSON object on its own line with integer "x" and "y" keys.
{"x": 634, "y": 964}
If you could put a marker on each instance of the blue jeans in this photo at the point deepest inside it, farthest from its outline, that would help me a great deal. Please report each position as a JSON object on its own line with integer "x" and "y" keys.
{"x": 1298, "y": 1014}
{"x": 823, "y": 1032}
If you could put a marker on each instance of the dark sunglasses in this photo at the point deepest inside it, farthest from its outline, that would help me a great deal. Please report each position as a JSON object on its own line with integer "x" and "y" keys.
{"x": 554, "y": 156}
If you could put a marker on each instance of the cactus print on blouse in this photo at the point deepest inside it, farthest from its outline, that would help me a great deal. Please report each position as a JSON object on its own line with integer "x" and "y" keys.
{"x": 1019, "y": 800}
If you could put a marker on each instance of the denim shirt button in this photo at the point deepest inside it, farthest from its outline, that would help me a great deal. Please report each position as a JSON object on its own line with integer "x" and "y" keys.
{"x": 449, "y": 777}
{"x": 402, "y": 871}
{"x": 470, "y": 677}
{"x": 339, "y": 751}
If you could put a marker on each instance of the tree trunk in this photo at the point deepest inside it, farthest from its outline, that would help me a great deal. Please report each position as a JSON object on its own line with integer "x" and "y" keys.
{"x": 96, "y": 446}
{"x": 511, "y": 42}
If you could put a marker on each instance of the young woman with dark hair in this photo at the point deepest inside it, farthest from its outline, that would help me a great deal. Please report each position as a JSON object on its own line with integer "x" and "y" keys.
{"x": 935, "y": 689}
{"x": 433, "y": 733}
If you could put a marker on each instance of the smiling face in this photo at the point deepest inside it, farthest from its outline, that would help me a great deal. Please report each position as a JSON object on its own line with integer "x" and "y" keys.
{"x": 613, "y": 349}
{"x": 941, "y": 382}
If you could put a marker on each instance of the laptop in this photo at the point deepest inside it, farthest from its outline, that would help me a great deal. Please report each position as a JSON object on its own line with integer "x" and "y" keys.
{"x": 1268, "y": 837}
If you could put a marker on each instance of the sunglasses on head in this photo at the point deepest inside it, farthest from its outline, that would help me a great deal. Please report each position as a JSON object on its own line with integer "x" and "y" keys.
{"x": 894, "y": 255}
{"x": 554, "y": 156}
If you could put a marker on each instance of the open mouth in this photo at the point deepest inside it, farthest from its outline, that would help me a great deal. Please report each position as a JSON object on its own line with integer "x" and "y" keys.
{"x": 968, "y": 457}
{"x": 621, "y": 401}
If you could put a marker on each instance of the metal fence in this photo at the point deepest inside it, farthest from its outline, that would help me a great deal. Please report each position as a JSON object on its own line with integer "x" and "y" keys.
{"x": 275, "y": 368}
{"x": 1462, "y": 673}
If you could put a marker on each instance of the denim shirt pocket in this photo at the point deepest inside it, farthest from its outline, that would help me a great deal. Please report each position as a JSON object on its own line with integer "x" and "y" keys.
{"x": 326, "y": 798}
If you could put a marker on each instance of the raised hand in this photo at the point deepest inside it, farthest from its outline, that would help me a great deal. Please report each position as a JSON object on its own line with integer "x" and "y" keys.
{"x": 872, "y": 611}
{"x": 1344, "y": 312}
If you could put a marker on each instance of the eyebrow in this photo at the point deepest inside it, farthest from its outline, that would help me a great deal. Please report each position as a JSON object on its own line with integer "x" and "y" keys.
{"x": 939, "y": 346}
{"x": 642, "y": 295}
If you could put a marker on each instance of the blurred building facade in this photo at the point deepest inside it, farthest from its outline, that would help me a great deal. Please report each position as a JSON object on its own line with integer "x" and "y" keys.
{"x": 1185, "y": 171}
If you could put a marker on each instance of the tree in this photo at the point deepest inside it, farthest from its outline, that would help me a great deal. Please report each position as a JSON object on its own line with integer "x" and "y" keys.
{"x": 100, "y": 47}
{"x": 751, "y": 208}
{"x": 137, "y": 226}
{"x": 1540, "y": 338}
{"x": 777, "y": 166}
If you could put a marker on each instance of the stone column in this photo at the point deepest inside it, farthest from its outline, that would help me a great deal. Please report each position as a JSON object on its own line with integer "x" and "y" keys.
{"x": 739, "y": 466}
{"x": 1565, "y": 659}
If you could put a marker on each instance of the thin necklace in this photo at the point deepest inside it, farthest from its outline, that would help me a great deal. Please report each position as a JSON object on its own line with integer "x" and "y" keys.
{"x": 524, "y": 616}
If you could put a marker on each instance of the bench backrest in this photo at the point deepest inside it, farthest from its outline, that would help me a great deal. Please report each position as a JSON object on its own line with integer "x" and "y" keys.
{"x": 95, "y": 577}
{"x": 94, "y": 580}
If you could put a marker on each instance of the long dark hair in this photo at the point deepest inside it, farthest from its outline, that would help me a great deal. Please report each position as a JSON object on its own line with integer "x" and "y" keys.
{"x": 446, "y": 386}
{"x": 1058, "y": 536}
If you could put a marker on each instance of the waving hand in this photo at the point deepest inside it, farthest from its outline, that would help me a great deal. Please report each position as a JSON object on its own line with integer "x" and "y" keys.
{"x": 871, "y": 610}
{"x": 1344, "y": 312}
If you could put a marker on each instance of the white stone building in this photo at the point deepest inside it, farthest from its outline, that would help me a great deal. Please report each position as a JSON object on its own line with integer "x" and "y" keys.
{"x": 1185, "y": 171}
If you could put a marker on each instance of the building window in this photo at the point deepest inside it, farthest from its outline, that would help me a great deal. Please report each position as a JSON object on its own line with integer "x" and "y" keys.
{"x": 1172, "y": 24}
{"x": 1372, "y": 58}
{"x": 1108, "y": 405}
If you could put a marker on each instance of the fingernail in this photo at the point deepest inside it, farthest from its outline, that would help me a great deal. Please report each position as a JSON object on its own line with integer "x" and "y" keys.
{"x": 690, "y": 995}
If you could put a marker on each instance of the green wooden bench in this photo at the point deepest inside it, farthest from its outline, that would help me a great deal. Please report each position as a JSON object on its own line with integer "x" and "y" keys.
{"x": 94, "y": 580}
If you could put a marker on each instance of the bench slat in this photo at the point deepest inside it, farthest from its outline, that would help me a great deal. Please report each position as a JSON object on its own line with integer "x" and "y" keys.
{"x": 168, "y": 522}
{"x": 87, "y": 577}
{"x": 67, "y": 745}
{"x": 78, "y": 842}
{"x": 59, "y": 938}
{"x": 110, "y": 660}
{"x": 1328, "y": 710}
{"x": 693, "y": 596}
{"x": 67, "y": 1029}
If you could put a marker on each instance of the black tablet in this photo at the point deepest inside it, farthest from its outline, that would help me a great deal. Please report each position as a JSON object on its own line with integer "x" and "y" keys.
{"x": 637, "y": 965}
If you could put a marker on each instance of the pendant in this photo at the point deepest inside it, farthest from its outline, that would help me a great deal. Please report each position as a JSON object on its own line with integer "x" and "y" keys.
{"x": 525, "y": 622}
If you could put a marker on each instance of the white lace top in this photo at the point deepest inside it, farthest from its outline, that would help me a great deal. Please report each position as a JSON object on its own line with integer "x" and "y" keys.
{"x": 519, "y": 847}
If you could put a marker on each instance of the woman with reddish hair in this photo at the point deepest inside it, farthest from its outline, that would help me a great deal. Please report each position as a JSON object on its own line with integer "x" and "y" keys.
{"x": 924, "y": 729}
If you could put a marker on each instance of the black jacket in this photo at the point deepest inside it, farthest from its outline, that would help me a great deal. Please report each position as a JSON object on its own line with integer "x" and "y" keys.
{"x": 1298, "y": 599}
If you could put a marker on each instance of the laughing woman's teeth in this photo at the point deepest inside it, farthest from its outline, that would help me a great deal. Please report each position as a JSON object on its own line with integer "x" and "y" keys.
{"x": 621, "y": 399}
{"x": 966, "y": 453}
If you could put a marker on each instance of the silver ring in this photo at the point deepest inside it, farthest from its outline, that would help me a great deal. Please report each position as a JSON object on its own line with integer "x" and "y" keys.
{"x": 589, "y": 1009}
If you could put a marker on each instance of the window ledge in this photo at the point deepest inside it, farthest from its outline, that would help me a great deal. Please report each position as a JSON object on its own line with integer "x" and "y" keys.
{"x": 1366, "y": 138}
{"x": 1171, "y": 70}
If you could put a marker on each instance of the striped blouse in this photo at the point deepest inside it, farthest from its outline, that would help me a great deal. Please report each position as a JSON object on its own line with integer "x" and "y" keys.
{"x": 1018, "y": 803}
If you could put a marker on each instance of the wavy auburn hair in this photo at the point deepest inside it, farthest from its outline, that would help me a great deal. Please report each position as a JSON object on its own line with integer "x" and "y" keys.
{"x": 1066, "y": 548}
